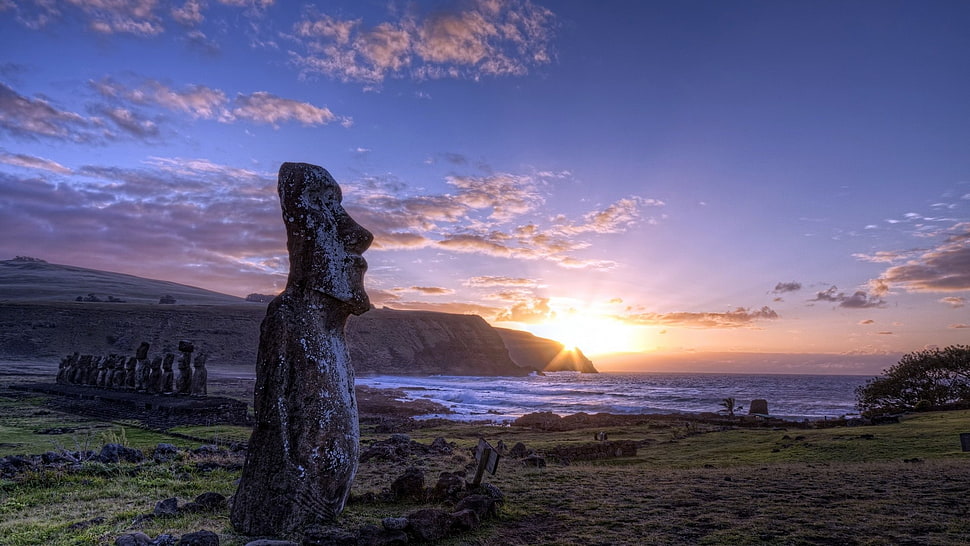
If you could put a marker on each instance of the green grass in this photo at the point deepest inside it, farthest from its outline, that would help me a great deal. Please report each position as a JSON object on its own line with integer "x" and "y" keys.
{"x": 688, "y": 485}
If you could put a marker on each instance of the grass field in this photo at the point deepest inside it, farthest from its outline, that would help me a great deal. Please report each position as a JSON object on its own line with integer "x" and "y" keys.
{"x": 905, "y": 483}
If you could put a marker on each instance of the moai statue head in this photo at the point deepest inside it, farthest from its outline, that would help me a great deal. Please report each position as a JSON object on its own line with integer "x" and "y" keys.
{"x": 200, "y": 360}
{"x": 325, "y": 244}
{"x": 186, "y": 346}
{"x": 142, "y": 352}
{"x": 167, "y": 362}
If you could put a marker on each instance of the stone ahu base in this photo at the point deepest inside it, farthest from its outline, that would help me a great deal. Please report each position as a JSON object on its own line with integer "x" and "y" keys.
{"x": 152, "y": 410}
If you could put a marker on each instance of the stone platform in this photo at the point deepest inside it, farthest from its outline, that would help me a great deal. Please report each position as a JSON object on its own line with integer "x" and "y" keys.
{"x": 159, "y": 411}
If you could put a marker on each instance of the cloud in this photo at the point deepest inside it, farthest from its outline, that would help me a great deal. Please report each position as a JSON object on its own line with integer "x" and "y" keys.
{"x": 740, "y": 317}
{"x": 885, "y": 333}
{"x": 944, "y": 268}
{"x": 221, "y": 222}
{"x": 32, "y": 162}
{"x": 130, "y": 122}
{"x": 615, "y": 218}
{"x": 27, "y": 117}
{"x": 954, "y": 301}
{"x": 866, "y": 322}
{"x": 263, "y": 107}
{"x": 783, "y": 287}
{"x": 460, "y": 308}
{"x": 486, "y": 38}
{"x": 492, "y": 281}
{"x": 426, "y": 290}
{"x": 201, "y": 102}
{"x": 859, "y": 299}
{"x": 959, "y": 326}
{"x": 529, "y": 312}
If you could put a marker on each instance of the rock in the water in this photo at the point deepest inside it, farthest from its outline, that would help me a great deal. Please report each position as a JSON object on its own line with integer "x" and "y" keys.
{"x": 199, "y": 538}
{"x": 304, "y": 450}
{"x": 758, "y": 406}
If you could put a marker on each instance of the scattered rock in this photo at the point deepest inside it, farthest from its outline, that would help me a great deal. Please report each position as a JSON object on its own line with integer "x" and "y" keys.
{"x": 534, "y": 460}
{"x": 268, "y": 542}
{"x": 518, "y": 451}
{"x": 449, "y": 485}
{"x": 165, "y": 452}
{"x": 165, "y": 540}
{"x": 85, "y": 524}
{"x": 328, "y": 536}
{"x": 409, "y": 486}
{"x": 135, "y": 538}
{"x": 166, "y": 508}
{"x": 395, "y": 524}
{"x": 372, "y": 535}
{"x": 211, "y": 500}
{"x": 441, "y": 446}
{"x": 114, "y": 453}
{"x": 199, "y": 538}
{"x": 430, "y": 524}
{"x": 465, "y": 520}
{"x": 483, "y": 506}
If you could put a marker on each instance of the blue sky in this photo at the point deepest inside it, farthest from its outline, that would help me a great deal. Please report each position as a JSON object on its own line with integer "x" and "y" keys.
{"x": 625, "y": 176}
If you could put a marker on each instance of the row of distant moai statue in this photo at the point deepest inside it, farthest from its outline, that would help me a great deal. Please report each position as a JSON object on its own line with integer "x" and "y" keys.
{"x": 138, "y": 373}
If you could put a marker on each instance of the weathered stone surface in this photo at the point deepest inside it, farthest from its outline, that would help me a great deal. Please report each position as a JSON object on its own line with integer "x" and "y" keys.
{"x": 409, "y": 486}
{"x": 483, "y": 506}
{"x": 372, "y": 535}
{"x": 269, "y": 542}
{"x": 211, "y": 500}
{"x": 449, "y": 485}
{"x": 395, "y": 524}
{"x": 199, "y": 376}
{"x": 465, "y": 520}
{"x": 165, "y": 452}
{"x": 303, "y": 453}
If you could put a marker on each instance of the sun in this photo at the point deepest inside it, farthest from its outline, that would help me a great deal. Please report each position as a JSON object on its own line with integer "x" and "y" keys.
{"x": 594, "y": 335}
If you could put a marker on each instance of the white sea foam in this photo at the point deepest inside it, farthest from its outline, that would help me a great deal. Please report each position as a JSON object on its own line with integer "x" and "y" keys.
{"x": 505, "y": 398}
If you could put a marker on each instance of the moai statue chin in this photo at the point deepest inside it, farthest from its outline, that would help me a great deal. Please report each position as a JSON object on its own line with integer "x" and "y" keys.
{"x": 303, "y": 452}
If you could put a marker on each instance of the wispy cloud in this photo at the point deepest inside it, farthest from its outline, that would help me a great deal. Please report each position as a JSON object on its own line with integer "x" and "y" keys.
{"x": 943, "y": 268}
{"x": 28, "y": 117}
{"x": 784, "y": 287}
{"x": 481, "y": 38}
{"x": 860, "y": 299}
{"x": 954, "y": 301}
{"x": 740, "y": 317}
{"x": 33, "y": 162}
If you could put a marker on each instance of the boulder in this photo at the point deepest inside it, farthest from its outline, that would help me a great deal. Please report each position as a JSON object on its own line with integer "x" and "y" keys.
{"x": 166, "y": 508}
{"x": 164, "y": 453}
{"x": 211, "y": 500}
{"x": 449, "y": 485}
{"x": 372, "y": 535}
{"x": 269, "y": 542}
{"x": 409, "y": 486}
{"x": 114, "y": 453}
{"x": 758, "y": 406}
{"x": 430, "y": 524}
{"x": 483, "y": 506}
{"x": 465, "y": 520}
{"x": 136, "y": 538}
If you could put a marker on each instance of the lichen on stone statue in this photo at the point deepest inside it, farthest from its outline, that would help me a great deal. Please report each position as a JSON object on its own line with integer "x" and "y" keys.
{"x": 303, "y": 452}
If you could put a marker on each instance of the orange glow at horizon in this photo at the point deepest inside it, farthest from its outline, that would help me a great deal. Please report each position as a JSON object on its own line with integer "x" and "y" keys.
{"x": 593, "y": 335}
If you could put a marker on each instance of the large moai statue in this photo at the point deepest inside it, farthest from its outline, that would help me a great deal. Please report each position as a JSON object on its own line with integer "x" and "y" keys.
{"x": 131, "y": 374}
{"x": 142, "y": 366}
{"x": 167, "y": 384}
{"x": 183, "y": 383}
{"x": 80, "y": 370}
{"x": 104, "y": 370}
{"x": 91, "y": 374}
{"x": 66, "y": 368}
{"x": 154, "y": 382}
{"x": 303, "y": 452}
{"x": 199, "y": 375}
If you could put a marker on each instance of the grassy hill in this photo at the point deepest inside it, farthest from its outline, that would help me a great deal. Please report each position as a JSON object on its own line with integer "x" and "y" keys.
{"x": 36, "y": 281}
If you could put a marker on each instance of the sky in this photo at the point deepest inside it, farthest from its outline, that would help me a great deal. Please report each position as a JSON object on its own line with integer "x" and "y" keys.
{"x": 624, "y": 176}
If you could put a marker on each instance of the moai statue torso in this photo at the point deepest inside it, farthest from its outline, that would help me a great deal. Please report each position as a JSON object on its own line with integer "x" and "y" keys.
{"x": 131, "y": 371}
{"x": 168, "y": 376}
{"x": 199, "y": 375}
{"x": 154, "y": 382}
{"x": 183, "y": 383}
{"x": 142, "y": 367}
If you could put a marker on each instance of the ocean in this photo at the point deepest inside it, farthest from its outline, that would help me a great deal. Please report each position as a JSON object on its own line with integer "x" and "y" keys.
{"x": 502, "y": 399}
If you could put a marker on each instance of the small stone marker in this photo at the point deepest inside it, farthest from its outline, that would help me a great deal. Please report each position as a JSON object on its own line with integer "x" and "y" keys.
{"x": 758, "y": 406}
{"x": 965, "y": 441}
{"x": 487, "y": 457}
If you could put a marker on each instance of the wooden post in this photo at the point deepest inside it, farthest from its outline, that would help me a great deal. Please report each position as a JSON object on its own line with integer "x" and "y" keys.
{"x": 487, "y": 457}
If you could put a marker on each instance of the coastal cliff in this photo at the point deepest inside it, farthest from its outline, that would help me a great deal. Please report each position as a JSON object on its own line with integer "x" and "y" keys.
{"x": 42, "y": 318}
